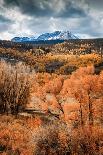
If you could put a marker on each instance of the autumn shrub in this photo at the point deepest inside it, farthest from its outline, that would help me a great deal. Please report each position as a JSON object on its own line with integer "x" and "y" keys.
{"x": 14, "y": 87}
{"x": 52, "y": 140}
{"x": 15, "y": 136}
{"x": 67, "y": 69}
{"x": 87, "y": 140}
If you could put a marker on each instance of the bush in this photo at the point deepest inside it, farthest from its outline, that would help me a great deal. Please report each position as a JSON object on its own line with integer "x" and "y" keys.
{"x": 52, "y": 140}
{"x": 14, "y": 87}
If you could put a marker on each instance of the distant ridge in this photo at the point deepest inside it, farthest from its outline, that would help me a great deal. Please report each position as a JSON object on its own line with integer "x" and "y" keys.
{"x": 57, "y": 35}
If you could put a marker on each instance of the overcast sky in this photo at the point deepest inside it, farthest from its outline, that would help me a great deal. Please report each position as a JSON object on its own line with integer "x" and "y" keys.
{"x": 83, "y": 18}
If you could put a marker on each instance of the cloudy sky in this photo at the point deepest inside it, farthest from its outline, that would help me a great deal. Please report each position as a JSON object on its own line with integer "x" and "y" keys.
{"x": 83, "y": 18}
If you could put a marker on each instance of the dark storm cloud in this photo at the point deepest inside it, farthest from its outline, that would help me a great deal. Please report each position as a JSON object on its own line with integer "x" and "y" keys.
{"x": 56, "y": 8}
{"x": 72, "y": 12}
{"x": 31, "y": 7}
{"x": 11, "y": 2}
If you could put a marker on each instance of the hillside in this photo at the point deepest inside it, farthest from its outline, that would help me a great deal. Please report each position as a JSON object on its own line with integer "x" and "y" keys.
{"x": 51, "y": 98}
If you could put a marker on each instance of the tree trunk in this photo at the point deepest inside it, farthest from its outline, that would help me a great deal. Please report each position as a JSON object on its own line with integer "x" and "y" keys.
{"x": 90, "y": 113}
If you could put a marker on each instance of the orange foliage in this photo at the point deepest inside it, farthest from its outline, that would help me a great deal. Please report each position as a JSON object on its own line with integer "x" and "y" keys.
{"x": 75, "y": 101}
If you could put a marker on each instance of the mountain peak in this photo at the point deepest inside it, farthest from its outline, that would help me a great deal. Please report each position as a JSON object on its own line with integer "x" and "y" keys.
{"x": 61, "y": 35}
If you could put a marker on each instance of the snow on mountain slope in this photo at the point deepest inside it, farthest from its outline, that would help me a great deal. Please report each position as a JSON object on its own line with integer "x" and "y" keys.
{"x": 61, "y": 35}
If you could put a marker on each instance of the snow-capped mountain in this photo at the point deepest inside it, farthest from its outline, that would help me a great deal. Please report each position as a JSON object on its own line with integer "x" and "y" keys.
{"x": 49, "y": 36}
{"x": 61, "y": 35}
{"x": 57, "y": 35}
